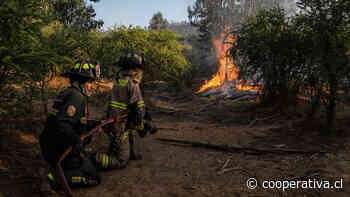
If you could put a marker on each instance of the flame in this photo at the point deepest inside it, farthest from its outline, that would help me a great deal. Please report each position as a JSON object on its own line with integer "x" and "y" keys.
{"x": 231, "y": 74}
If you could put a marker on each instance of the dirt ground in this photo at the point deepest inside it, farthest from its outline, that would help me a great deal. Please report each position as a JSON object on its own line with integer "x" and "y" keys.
{"x": 175, "y": 170}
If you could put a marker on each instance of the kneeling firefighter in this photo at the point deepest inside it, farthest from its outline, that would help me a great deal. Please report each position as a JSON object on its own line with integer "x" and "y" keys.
{"x": 126, "y": 106}
{"x": 65, "y": 125}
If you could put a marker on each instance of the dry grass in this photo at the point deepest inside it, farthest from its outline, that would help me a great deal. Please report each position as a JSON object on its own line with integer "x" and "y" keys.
{"x": 28, "y": 139}
{"x": 58, "y": 83}
{"x": 62, "y": 82}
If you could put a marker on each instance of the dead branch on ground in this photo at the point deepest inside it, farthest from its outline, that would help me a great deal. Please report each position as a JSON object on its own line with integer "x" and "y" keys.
{"x": 247, "y": 150}
{"x": 262, "y": 119}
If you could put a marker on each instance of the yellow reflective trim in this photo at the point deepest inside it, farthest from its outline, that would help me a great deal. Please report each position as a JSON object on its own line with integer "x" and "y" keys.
{"x": 86, "y": 66}
{"x": 107, "y": 160}
{"x": 131, "y": 131}
{"x": 118, "y": 107}
{"x": 125, "y": 136}
{"x": 52, "y": 113}
{"x": 92, "y": 66}
{"x": 77, "y": 66}
{"x": 139, "y": 127}
{"x": 83, "y": 120}
{"x": 121, "y": 82}
{"x": 119, "y": 103}
{"x": 104, "y": 161}
{"x": 50, "y": 176}
{"x": 76, "y": 179}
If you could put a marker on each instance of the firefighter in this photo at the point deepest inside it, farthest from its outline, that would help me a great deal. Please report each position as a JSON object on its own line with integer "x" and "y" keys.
{"x": 127, "y": 108}
{"x": 64, "y": 127}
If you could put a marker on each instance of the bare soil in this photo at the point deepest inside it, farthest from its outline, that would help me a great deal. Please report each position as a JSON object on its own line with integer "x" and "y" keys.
{"x": 176, "y": 170}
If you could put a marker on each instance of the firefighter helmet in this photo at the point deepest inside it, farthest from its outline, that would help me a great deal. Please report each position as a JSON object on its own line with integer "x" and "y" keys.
{"x": 85, "y": 70}
{"x": 130, "y": 61}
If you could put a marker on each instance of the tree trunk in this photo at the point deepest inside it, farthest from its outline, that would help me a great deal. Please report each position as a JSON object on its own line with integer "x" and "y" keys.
{"x": 316, "y": 102}
{"x": 43, "y": 96}
{"x": 331, "y": 108}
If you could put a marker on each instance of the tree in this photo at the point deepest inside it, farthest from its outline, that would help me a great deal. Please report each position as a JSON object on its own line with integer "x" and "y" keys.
{"x": 214, "y": 17}
{"x": 328, "y": 22}
{"x": 73, "y": 14}
{"x": 158, "y": 22}
{"x": 26, "y": 55}
{"x": 19, "y": 27}
{"x": 269, "y": 52}
{"x": 163, "y": 53}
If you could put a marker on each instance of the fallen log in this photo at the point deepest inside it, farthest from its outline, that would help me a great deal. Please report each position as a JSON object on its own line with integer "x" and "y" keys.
{"x": 232, "y": 94}
{"x": 233, "y": 149}
{"x": 210, "y": 91}
{"x": 235, "y": 95}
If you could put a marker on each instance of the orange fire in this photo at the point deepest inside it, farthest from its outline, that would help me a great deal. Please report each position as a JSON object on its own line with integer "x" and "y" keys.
{"x": 227, "y": 70}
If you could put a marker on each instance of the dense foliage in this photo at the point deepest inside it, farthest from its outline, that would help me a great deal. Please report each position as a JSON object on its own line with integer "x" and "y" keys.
{"x": 305, "y": 54}
{"x": 269, "y": 51}
{"x": 163, "y": 53}
{"x": 42, "y": 39}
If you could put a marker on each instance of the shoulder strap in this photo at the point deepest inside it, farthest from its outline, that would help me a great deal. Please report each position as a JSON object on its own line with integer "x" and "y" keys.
{"x": 62, "y": 98}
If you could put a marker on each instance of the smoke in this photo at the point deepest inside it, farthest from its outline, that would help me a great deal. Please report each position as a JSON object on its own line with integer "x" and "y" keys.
{"x": 290, "y": 7}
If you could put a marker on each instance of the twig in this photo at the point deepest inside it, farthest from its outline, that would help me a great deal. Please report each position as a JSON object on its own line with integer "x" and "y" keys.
{"x": 226, "y": 163}
{"x": 197, "y": 180}
{"x": 266, "y": 118}
{"x": 163, "y": 110}
{"x": 205, "y": 107}
{"x": 167, "y": 128}
{"x": 228, "y": 170}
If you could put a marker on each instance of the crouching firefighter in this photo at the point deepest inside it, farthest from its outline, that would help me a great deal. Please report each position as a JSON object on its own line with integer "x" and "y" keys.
{"x": 65, "y": 125}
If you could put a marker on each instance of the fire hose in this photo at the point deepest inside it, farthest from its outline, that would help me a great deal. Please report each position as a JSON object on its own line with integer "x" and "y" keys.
{"x": 59, "y": 169}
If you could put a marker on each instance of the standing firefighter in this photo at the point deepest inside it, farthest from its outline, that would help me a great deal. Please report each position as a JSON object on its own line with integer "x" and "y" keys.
{"x": 64, "y": 127}
{"x": 126, "y": 106}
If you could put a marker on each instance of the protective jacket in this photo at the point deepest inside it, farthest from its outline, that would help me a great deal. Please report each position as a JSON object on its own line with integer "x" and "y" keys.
{"x": 65, "y": 124}
{"x": 125, "y": 99}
